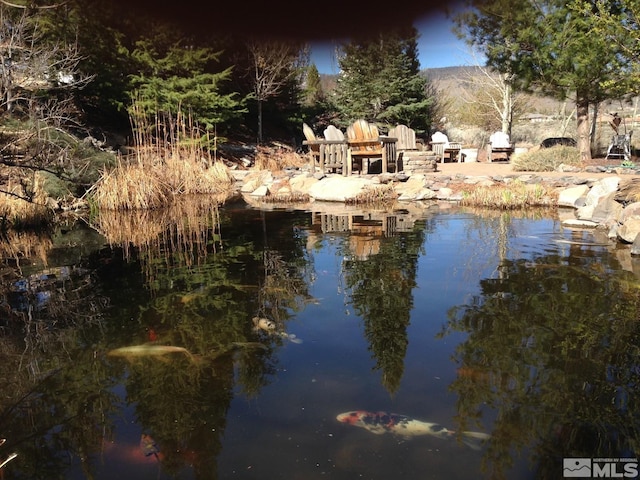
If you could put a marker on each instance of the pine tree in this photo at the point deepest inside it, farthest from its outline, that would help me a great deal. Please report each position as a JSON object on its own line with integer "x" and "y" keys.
{"x": 175, "y": 74}
{"x": 313, "y": 92}
{"x": 380, "y": 80}
{"x": 550, "y": 46}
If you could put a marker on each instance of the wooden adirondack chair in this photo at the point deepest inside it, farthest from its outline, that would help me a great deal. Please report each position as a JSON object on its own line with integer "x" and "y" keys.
{"x": 366, "y": 143}
{"x": 329, "y": 153}
{"x": 406, "y": 137}
{"x": 333, "y": 133}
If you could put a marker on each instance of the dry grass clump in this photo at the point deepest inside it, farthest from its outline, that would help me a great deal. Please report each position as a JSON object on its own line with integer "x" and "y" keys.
{"x": 376, "y": 195}
{"x": 291, "y": 197}
{"x": 169, "y": 160}
{"x": 511, "y": 196}
{"x": 277, "y": 157}
{"x": 131, "y": 186}
{"x": 186, "y": 175}
{"x": 546, "y": 159}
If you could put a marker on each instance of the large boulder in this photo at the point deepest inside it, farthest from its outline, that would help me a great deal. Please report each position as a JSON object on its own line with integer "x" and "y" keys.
{"x": 607, "y": 211}
{"x": 602, "y": 188}
{"x": 629, "y": 231}
{"x": 339, "y": 189}
{"x": 570, "y": 197}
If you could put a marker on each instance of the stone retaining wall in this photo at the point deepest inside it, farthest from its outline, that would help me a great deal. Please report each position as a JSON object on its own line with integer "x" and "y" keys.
{"x": 609, "y": 203}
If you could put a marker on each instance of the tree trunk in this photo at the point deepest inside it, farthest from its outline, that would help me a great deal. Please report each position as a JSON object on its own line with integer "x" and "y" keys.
{"x": 259, "y": 122}
{"x": 593, "y": 133}
{"x": 583, "y": 127}
{"x": 507, "y": 107}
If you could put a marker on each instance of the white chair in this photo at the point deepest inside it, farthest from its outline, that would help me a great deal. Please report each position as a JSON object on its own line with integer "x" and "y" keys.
{"x": 441, "y": 146}
{"x": 499, "y": 142}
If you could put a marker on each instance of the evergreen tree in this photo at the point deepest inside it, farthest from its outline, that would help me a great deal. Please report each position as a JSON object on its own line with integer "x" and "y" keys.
{"x": 549, "y": 46}
{"x": 313, "y": 92}
{"x": 619, "y": 21}
{"x": 106, "y": 38}
{"x": 177, "y": 74}
{"x": 380, "y": 80}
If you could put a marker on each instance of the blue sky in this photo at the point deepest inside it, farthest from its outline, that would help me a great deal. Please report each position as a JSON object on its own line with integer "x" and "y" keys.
{"x": 438, "y": 46}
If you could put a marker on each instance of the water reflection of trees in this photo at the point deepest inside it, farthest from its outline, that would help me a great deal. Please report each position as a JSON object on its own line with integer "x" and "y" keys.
{"x": 50, "y": 305}
{"x": 184, "y": 407}
{"x": 554, "y": 350}
{"x": 380, "y": 283}
{"x": 171, "y": 278}
{"x": 490, "y": 230}
{"x": 203, "y": 298}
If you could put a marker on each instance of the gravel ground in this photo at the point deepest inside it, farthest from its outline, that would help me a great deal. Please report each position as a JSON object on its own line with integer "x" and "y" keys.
{"x": 501, "y": 167}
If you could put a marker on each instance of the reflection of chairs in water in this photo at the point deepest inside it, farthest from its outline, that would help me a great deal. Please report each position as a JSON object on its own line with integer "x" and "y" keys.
{"x": 620, "y": 147}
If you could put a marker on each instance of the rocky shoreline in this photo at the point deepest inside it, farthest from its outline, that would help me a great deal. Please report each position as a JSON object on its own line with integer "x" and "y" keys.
{"x": 601, "y": 197}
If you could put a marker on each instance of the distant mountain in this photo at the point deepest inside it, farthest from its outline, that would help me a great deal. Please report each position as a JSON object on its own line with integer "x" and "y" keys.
{"x": 451, "y": 82}
{"x": 449, "y": 72}
{"x": 445, "y": 77}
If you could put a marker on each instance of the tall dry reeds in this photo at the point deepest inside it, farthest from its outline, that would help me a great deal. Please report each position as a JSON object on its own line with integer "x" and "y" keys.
{"x": 170, "y": 159}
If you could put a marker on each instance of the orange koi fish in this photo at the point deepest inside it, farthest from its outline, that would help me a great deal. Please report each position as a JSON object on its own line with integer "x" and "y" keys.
{"x": 383, "y": 422}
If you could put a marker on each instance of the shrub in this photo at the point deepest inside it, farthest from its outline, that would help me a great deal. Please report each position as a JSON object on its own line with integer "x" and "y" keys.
{"x": 546, "y": 159}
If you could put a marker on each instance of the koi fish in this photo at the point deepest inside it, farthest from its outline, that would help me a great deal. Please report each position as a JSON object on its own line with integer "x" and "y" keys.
{"x": 473, "y": 374}
{"x": 8, "y": 459}
{"x": 383, "y": 422}
{"x": 148, "y": 350}
{"x": 153, "y": 336}
{"x": 269, "y": 326}
{"x": 263, "y": 324}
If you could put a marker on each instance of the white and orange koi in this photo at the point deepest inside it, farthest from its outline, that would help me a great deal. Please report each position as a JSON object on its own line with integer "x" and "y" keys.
{"x": 270, "y": 327}
{"x": 383, "y": 422}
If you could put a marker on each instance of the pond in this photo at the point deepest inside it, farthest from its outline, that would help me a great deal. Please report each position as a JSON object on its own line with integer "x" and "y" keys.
{"x": 219, "y": 343}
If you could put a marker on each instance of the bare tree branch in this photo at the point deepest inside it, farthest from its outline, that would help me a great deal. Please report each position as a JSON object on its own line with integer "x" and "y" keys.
{"x": 273, "y": 65}
{"x": 32, "y": 6}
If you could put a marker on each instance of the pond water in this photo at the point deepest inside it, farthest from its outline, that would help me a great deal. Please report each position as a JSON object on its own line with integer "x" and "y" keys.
{"x": 506, "y": 324}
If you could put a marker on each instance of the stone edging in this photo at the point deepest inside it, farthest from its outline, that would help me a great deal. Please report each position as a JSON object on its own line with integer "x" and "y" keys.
{"x": 598, "y": 202}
